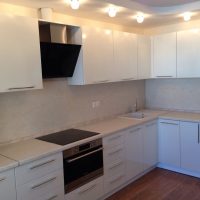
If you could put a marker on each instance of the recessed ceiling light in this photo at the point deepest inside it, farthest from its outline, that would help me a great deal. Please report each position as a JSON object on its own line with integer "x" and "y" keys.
{"x": 140, "y": 18}
{"x": 112, "y": 12}
{"x": 75, "y": 4}
{"x": 187, "y": 16}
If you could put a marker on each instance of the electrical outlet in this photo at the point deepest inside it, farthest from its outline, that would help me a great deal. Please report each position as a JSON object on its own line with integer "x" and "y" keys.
{"x": 95, "y": 104}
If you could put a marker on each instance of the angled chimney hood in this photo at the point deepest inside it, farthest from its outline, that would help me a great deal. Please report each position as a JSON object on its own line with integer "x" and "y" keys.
{"x": 57, "y": 56}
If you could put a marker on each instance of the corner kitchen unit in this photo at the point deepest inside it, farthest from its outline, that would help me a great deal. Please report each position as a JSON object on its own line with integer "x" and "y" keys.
{"x": 96, "y": 94}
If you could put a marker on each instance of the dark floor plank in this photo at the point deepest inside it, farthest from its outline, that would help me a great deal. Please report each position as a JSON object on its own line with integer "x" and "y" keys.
{"x": 161, "y": 185}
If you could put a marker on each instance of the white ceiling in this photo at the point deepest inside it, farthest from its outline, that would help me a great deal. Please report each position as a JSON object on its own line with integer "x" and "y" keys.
{"x": 156, "y": 11}
{"x": 164, "y": 3}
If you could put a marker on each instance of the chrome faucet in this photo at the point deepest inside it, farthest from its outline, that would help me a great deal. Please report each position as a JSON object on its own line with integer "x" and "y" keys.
{"x": 136, "y": 105}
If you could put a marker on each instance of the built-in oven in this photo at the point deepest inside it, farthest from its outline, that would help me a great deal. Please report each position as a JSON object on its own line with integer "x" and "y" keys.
{"x": 82, "y": 164}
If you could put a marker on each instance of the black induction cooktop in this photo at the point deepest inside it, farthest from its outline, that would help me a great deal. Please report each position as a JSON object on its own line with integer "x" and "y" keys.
{"x": 67, "y": 136}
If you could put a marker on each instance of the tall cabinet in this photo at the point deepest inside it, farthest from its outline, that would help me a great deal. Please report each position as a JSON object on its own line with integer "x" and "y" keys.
{"x": 95, "y": 64}
{"x": 144, "y": 57}
{"x": 20, "y": 62}
{"x": 188, "y": 48}
{"x": 164, "y": 55}
{"x": 125, "y": 56}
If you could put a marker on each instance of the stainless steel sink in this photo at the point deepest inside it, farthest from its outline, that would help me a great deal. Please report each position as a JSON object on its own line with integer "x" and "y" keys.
{"x": 135, "y": 115}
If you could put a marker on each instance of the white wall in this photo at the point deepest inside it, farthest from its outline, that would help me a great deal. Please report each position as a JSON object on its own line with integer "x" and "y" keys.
{"x": 59, "y": 106}
{"x": 181, "y": 94}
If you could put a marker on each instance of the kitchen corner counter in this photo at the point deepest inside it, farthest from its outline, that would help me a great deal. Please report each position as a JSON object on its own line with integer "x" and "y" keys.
{"x": 107, "y": 127}
{"x": 182, "y": 116}
{"x": 29, "y": 150}
{"x": 6, "y": 163}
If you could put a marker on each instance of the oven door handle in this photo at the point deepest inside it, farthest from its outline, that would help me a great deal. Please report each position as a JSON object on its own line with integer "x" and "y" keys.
{"x": 87, "y": 154}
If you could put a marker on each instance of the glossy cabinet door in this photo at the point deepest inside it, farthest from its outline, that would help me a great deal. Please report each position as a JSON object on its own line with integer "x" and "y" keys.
{"x": 150, "y": 142}
{"x": 20, "y": 63}
{"x": 169, "y": 143}
{"x": 188, "y": 48}
{"x": 190, "y": 146}
{"x": 97, "y": 55}
{"x": 144, "y": 57}
{"x": 164, "y": 55}
{"x": 7, "y": 185}
{"x": 134, "y": 152}
{"x": 125, "y": 56}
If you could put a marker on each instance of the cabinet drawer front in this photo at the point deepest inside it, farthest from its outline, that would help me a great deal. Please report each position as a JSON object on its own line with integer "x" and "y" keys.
{"x": 56, "y": 194}
{"x": 113, "y": 154}
{"x": 113, "y": 140}
{"x": 113, "y": 182}
{"x": 90, "y": 191}
{"x": 38, "y": 168}
{"x": 41, "y": 186}
{"x": 114, "y": 169}
{"x": 7, "y": 185}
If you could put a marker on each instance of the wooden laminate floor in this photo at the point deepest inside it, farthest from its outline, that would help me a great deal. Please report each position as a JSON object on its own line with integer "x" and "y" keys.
{"x": 161, "y": 185}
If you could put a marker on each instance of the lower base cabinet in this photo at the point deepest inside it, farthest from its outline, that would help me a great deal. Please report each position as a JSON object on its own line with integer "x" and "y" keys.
{"x": 150, "y": 143}
{"x": 90, "y": 191}
{"x": 7, "y": 185}
{"x": 190, "y": 146}
{"x": 134, "y": 152}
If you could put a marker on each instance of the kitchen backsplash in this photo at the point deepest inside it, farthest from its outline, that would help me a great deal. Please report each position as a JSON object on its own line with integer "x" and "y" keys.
{"x": 60, "y": 106}
{"x": 179, "y": 94}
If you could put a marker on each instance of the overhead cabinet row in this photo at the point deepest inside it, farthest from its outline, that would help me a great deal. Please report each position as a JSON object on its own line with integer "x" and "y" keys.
{"x": 110, "y": 56}
{"x": 176, "y": 55}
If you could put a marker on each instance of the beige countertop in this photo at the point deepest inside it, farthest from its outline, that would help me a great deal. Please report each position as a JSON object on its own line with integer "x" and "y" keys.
{"x": 120, "y": 123}
{"x": 184, "y": 116}
{"x": 6, "y": 164}
{"x": 29, "y": 150}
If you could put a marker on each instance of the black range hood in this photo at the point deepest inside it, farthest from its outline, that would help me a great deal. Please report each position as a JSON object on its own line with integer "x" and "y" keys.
{"x": 58, "y": 58}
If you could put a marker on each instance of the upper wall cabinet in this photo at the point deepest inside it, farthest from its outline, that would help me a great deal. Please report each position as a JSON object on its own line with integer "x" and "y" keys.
{"x": 125, "y": 56}
{"x": 164, "y": 56}
{"x": 20, "y": 63}
{"x": 144, "y": 57}
{"x": 95, "y": 64}
{"x": 188, "y": 48}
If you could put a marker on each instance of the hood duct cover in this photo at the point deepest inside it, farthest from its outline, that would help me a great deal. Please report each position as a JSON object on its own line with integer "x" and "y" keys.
{"x": 58, "y": 58}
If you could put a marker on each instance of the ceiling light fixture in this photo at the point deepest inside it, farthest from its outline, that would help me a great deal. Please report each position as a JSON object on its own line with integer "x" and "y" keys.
{"x": 140, "y": 18}
{"x": 75, "y": 4}
{"x": 112, "y": 12}
{"x": 187, "y": 16}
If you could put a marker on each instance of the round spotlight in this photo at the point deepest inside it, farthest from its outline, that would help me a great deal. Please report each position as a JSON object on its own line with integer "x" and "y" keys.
{"x": 187, "y": 16}
{"x": 112, "y": 12}
{"x": 75, "y": 4}
{"x": 140, "y": 19}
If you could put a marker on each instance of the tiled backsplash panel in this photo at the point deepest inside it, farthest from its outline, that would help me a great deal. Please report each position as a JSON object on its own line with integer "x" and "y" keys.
{"x": 60, "y": 106}
{"x": 180, "y": 94}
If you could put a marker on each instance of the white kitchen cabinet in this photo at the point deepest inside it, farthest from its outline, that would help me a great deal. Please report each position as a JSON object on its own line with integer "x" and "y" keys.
{"x": 125, "y": 56}
{"x": 144, "y": 57}
{"x": 90, "y": 191}
{"x": 164, "y": 55}
{"x": 134, "y": 152}
{"x": 150, "y": 142}
{"x": 114, "y": 161}
{"x": 188, "y": 48}
{"x": 41, "y": 179}
{"x": 169, "y": 143}
{"x": 95, "y": 63}
{"x": 20, "y": 63}
{"x": 190, "y": 146}
{"x": 7, "y": 185}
